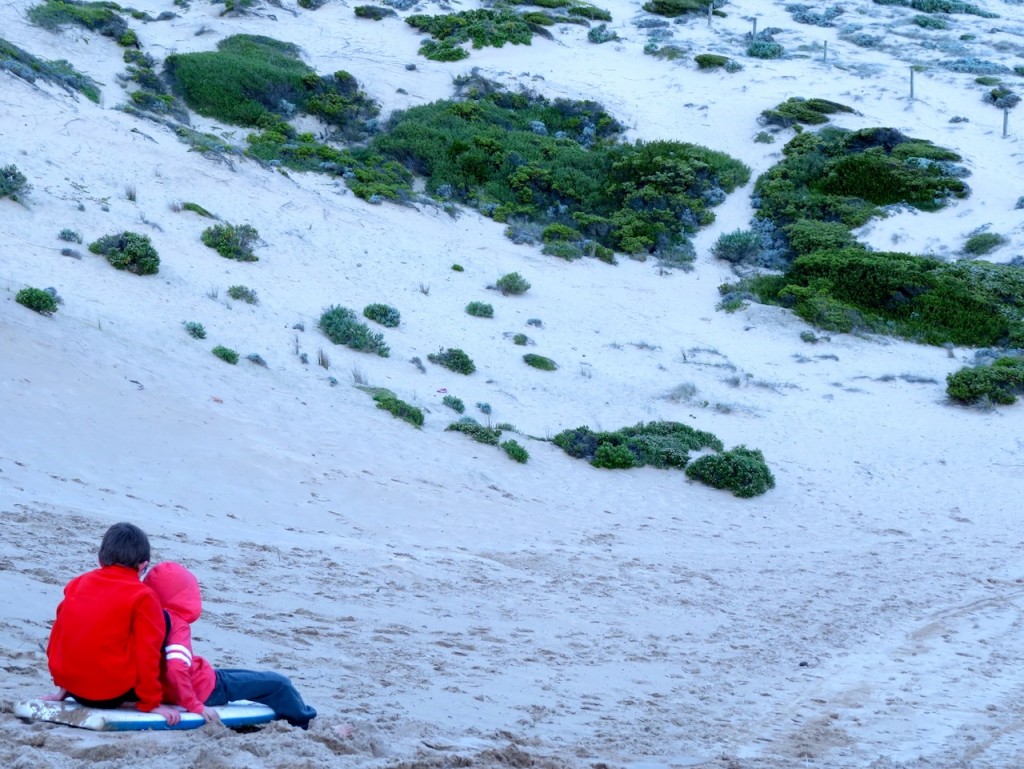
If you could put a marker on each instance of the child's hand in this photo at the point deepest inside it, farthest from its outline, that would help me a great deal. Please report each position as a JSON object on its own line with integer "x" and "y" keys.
{"x": 210, "y": 715}
{"x": 58, "y": 696}
{"x": 171, "y": 714}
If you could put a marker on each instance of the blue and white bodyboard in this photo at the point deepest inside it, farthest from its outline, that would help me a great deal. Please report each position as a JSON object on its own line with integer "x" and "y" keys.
{"x": 128, "y": 719}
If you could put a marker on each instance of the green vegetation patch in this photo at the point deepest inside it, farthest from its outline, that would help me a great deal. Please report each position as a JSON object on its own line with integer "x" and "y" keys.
{"x": 387, "y": 400}
{"x": 99, "y": 17}
{"x": 21, "y": 63}
{"x": 983, "y": 243}
{"x": 374, "y": 12}
{"x": 941, "y": 6}
{"x": 842, "y": 176}
{"x": 453, "y": 359}
{"x": 252, "y": 80}
{"x": 512, "y": 283}
{"x": 128, "y": 251}
{"x": 385, "y": 314}
{"x": 971, "y": 303}
{"x": 807, "y": 111}
{"x": 999, "y": 383}
{"x": 232, "y": 242}
{"x": 340, "y": 325}
{"x": 659, "y": 444}
{"x": 540, "y": 362}
{"x": 515, "y": 451}
{"x": 522, "y": 156}
{"x": 480, "y": 310}
{"x": 740, "y": 470}
{"x": 482, "y": 27}
{"x": 476, "y": 431}
{"x": 226, "y": 354}
{"x": 38, "y": 300}
{"x": 674, "y": 8}
{"x": 13, "y": 182}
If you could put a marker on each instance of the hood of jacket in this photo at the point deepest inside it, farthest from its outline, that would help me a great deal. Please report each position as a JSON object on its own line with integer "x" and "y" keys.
{"x": 177, "y": 588}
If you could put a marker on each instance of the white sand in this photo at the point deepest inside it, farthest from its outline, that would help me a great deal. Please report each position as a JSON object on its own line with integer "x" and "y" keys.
{"x": 453, "y": 605}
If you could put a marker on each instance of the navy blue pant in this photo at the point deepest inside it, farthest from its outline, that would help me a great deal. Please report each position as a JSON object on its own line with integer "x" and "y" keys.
{"x": 266, "y": 687}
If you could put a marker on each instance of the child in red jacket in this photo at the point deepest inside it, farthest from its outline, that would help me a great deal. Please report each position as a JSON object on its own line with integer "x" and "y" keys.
{"x": 190, "y": 681}
{"x": 104, "y": 648}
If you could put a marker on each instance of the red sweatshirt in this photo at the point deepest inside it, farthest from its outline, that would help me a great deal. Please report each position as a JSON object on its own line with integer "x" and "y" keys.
{"x": 107, "y": 637}
{"x": 188, "y": 679}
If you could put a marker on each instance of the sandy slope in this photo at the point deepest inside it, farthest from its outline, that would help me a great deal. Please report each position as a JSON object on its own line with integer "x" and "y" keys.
{"x": 453, "y": 605}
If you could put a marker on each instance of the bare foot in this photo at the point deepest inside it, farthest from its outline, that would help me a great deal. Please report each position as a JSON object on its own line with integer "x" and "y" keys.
{"x": 344, "y": 731}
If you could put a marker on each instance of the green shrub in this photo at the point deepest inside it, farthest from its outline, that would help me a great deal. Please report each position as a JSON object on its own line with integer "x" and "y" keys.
{"x": 226, "y": 354}
{"x": 998, "y": 383}
{"x": 763, "y": 137}
{"x": 673, "y": 8}
{"x": 373, "y": 12}
{"x": 232, "y": 242}
{"x": 930, "y": 22}
{"x": 37, "y": 299}
{"x": 387, "y": 400}
{"x": 765, "y": 49}
{"x": 540, "y": 362}
{"x": 601, "y": 34}
{"x": 243, "y": 294}
{"x": 807, "y": 236}
{"x": 983, "y": 243}
{"x": 520, "y": 339}
{"x": 613, "y": 457}
{"x": 252, "y": 80}
{"x": 197, "y": 209}
{"x": 971, "y": 303}
{"x": 128, "y": 251}
{"x": 480, "y": 310}
{"x": 70, "y": 236}
{"x": 453, "y": 359}
{"x": 21, "y": 63}
{"x": 710, "y": 60}
{"x": 741, "y": 470}
{"x": 384, "y": 314}
{"x": 737, "y": 247}
{"x": 515, "y": 451}
{"x": 798, "y": 110}
{"x": 660, "y": 444}
{"x": 588, "y": 12}
{"x": 476, "y": 431}
{"x": 12, "y": 182}
{"x": 195, "y": 330}
{"x": 483, "y": 27}
{"x": 100, "y": 17}
{"x": 458, "y": 268}
{"x": 512, "y": 283}
{"x": 340, "y": 325}
{"x": 455, "y": 404}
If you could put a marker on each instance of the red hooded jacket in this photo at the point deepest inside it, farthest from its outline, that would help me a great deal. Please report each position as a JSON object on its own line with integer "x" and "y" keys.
{"x": 107, "y": 637}
{"x": 188, "y": 679}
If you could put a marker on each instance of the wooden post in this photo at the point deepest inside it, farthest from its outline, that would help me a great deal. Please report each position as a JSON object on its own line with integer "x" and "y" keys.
{"x": 824, "y": 56}
{"x": 911, "y": 83}
{"x": 711, "y": 7}
{"x": 753, "y": 35}
{"x": 1006, "y": 119}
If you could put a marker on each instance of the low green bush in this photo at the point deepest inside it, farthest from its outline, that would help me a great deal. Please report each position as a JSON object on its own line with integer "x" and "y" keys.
{"x": 512, "y": 283}
{"x": 520, "y": 339}
{"x": 476, "y": 431}
{"x": 659, "y": 444}
{"x": 480, "y": 310}
{"x": 37, "y": 299}
{"x": 673, "y": 8}
{"x": 798, "y": 110}
{"x": 737, "y": 247}
{"x": 515, "y": 451}
{"x": 998, "y": 383}
{"x": 252, "y": 80}
{"x": 387, "y": 400}
{"x": 195, "y": 330}
{"x": 128, "y": 251}
{"x": 197, "y": 209}
{"x": 12, "y": 182}
{"x": 601, "y": 34}
{"x": 540, "y": 362}
{"x": 340, "y": 325}
{"x": 807, "y": 236}
{"x": 453, "y": 359}
{"x": 983, "y": 243}
{"x": 710, "y": 60}
{"x": 99, "y": 17}
{"x": 482, "y": 27}
{"x": 21, "y": 63}
{"x": 741, "y": 470}
{"x": 70, "y": 236}
{"x": 243, "y": 294}
{"x": 226, "y": 354}
{"x": 373, "y": 12}
{"x": 232, "y": 242}
{"x": 765, "y": 49}
{"x": 930, "y": 22}
{"x": 971, "y": 303}
{"x": 454, "y": 403}
{"x": 384, "y": 314}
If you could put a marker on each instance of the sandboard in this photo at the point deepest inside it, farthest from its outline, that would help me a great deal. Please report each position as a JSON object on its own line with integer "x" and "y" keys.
{"x": 128, "y": 719}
